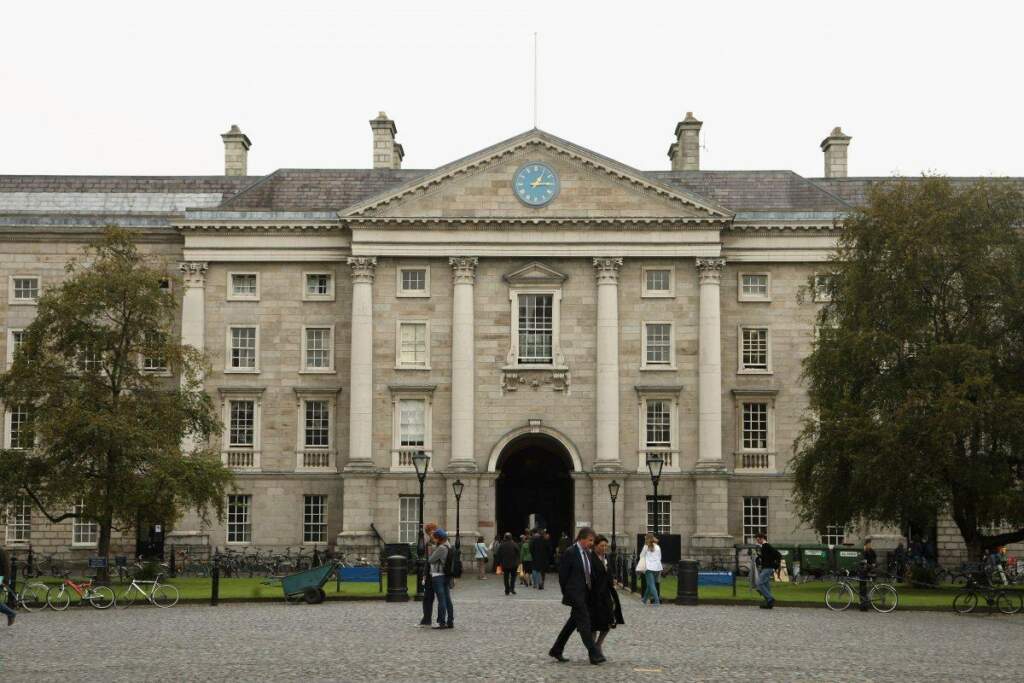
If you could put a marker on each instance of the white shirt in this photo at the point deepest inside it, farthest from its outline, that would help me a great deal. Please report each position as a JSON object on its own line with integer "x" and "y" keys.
{"x": 652, "y": 558}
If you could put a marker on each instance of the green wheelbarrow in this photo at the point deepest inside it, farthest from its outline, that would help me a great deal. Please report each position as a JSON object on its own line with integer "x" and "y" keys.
{"x": 308, "y": 585}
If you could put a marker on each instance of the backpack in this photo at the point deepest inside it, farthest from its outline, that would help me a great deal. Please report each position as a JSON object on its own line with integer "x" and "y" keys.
{"x": 452, "y": 564}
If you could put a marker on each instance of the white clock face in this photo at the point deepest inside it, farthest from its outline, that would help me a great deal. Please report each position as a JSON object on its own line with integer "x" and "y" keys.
{"x": 535, "y": 184}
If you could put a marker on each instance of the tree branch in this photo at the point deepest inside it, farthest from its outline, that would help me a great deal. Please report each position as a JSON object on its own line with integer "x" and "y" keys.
{"x": 53, "y": 519}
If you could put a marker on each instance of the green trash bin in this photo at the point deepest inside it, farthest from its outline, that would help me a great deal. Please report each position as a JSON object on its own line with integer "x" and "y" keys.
{"x": 789, "y": 554}
{"x": 848, "y": 558}
{"x": 815, "y": 559}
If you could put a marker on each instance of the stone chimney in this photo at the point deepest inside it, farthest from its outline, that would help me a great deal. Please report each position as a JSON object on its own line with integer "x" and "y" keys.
{"x": 386, "y": 152}
{"x": 236, "y": 151}
{"x": 835, "y": 148}
{"x": 685, "y": 151}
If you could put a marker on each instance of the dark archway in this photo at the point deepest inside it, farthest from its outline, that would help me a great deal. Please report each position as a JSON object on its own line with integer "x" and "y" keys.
{"x": 534, "y": 479}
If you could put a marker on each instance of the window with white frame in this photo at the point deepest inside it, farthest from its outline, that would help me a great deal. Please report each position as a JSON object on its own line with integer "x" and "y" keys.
{"x": 835, "y": 534}
{"x": 659, "y": 423}
{"x": 314, "y": 519}
{"x": 24, "y": 289}
{"x": 823, "y": 287}
{"x": 658, "y": 351}
{"x": 414, "y": 281}
{"x": 242, "y": 423}
{"x": 536, "y": 326}
{"x": 243, "y": 286}
{"x": 83, "y": 532}
{"x": 413, "y": 346}
{"x": 408, "y": 519}
{"x": 658, "y": 282}
{"x": 412, "y": 425}
{"x": 154, "y": 363}
{"x": 755, "y": 351}
{"x": 19, "y": 428}
{"x": 15, "y": 338}
{"x": 755, "y": 517}
{"x": 92, "y": 361}
{"x": 241, "y": 415}
{"x": 317, "y": 353}
{"x": 535, "y": 295}
{"x": 19, "y": 520}
{"x": 755, "y": 425}
{"x": 318, "y": 287}
{"x": 754, "y": 287}
{"x": 239, "y": 519}
{"x": 243, "y": 349}
{"x": 664, "y": 514}
{"x": 317, "y": 423}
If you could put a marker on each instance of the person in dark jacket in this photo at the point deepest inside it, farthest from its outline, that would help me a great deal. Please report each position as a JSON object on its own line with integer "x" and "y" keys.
{"x": 507, "y": 558}
{"x": 575, "y": 576}
{"x": 541, "y": 550}
{"x": 5, "y": 566}
{"x": 604, "y": 606}
{"x": 771, "y": 559}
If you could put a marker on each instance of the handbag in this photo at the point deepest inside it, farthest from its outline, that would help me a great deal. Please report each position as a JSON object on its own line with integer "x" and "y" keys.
{"x": 641, "y": 566}
{"x": 499, "y": 571}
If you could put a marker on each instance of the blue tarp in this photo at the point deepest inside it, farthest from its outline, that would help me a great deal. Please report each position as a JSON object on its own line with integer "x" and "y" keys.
{"x": 714, "y": 578}
{"x": 360, "y": 574}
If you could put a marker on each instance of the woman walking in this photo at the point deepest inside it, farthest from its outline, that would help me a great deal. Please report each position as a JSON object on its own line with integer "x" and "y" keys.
{"x": 526, "y": 561}
{"x": 604, "y": 607}
{"x": 650, "y": 561}
{"x": 481, "y": 558}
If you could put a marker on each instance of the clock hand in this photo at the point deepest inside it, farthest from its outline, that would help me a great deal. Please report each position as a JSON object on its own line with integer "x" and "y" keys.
{"x": 536, "y": 182}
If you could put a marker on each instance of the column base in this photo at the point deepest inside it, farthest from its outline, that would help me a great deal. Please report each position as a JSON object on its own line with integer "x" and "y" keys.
{"x": 461, "y": 466}
{"x": 360, "y": 466}
{"x": 711, "y": 467}
{"x": 609, "y": 466}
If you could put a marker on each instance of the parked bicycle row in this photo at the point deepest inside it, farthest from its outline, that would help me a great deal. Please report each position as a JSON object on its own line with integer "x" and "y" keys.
{"x": 34, "y": 595}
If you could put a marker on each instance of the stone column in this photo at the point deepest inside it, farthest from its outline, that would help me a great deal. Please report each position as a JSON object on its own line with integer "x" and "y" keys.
{"x": 463, "y": 364}
{"x": 360, "y": 451}
{"x": 193, "y": 318}
{"x": 607, "y": 270}
{"x": 709, "y": 387}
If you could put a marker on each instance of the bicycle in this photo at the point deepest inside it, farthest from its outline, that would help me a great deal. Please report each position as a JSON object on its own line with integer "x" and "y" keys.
{"x": 59, "y": 597}
{"x": 1006, "y": 601}
{"x": 32, "y": 596}
{"x": 882, "y": 597}
{"x": 160, "y": 594}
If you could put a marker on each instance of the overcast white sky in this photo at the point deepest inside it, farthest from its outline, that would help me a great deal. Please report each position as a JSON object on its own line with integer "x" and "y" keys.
{"x": 146, "y": 88}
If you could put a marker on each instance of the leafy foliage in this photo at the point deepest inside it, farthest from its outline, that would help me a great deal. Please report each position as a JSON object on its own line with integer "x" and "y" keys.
{"x": 916, "y": 381}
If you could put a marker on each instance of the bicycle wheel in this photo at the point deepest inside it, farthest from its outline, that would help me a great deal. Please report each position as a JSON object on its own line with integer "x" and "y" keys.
{"x": 58, "y": 598}
{"x": 965, "y": 602}
{"x": 127, "y": 598}
{"x": 101, "y": 597}
{"x": 165, "y": 595}
{"x": 33, "y": 597}
{"x": 883, "y": 597}
{"x": 1009, "y": 602}
{"x": 838, "y": 597}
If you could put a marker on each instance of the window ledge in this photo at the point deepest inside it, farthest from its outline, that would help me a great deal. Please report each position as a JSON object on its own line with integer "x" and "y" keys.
{"x": 22, "y": 302}
{"x": 318, "y": 298}
{"x": 657, "y": 368}
{"x": 754, "y": 300}
{"x": 658, "y": 295}
{"x": 241, "y": 371}
{"x": 412, "y": 367}
{"x": 319, "y": 371}
{"x": 754, "y": 371}
{"x": 253, "y": 299}
{"x": 536, "y": 366}
{"x": 413, "y": 295}
{"x": 83, "y": 545}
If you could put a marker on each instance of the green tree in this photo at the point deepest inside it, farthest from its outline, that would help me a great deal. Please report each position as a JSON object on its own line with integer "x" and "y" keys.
{"x": 98, "y": 430}
{"x": 916, "y": 382}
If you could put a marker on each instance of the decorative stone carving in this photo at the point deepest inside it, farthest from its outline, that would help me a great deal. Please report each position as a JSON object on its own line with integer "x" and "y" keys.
{"x": 710, "y": 270}
{"x": 463, "y": 269}
{"x": 607, "y": 270}
{"x": 514, "y": 379}
{"x": 193, "y": 273}
{"x": 363, "y": 268}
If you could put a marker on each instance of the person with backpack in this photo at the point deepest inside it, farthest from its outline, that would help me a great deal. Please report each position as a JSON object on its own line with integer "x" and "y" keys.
{"x": 442, "y": 570}
{"x": 481, "y": 558}
{"x": 770, "y": 559}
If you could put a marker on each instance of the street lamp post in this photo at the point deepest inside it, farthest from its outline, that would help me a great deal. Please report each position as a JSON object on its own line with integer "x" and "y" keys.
{"x": 654, "y": 464}
{"x": 420, "y": 460}
{"x": 613, "y": 492}
{"x": 457, "y": 487}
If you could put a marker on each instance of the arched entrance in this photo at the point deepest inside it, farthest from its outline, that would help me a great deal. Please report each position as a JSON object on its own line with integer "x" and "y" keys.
{"x": 534, "y": 485}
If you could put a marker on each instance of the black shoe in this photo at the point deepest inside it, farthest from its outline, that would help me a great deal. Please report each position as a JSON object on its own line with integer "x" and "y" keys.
{"x": 765, "y": 606}
{"x": 451, "y": 625}
{"x": 598, "y": 659}
{"x": 557, "y": 655}
{"x": 10, "y": 620}
{"x": 771, "y": 603}
{"x": 423, "y": 624}
{"x": 441, "y": 627}
{"x": 513, "y": 592}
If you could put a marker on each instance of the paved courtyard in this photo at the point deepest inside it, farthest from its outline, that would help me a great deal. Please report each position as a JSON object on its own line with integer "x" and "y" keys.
{"x": 507, "y": 639}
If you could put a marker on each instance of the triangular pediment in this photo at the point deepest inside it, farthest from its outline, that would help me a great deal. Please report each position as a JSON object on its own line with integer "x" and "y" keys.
{"x": 535, "y": 273}
{"x": 592, "y": 187}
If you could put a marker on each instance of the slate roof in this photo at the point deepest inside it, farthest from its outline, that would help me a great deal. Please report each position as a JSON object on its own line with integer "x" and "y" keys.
{"x": 290, "y": 189}
{"x": 756, "y": 190}
{"x": 855, "y": 190}
{"x": 112, "y": 183}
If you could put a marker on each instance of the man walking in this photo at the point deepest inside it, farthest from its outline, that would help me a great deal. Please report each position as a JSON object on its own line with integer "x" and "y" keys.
{"x": 508, "y": 559}
{"x": 441, "y": 560}
{"x": 770, "y": 559}
{"x": 541, "y": 551}
{"x": 574, "y": 577}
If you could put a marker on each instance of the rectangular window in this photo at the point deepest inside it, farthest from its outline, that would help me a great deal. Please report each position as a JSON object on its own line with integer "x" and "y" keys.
{"x": 412, "y": 422}
{"x": 657, "y": 282}
{"x": 25, "y": 289}
{"x": 754, "y": 348}
{"x": 754, "y": 287}
{"x": 413, "y": 344}
{"x": 244, "y": 286}
{"x": 318, "y": 424}
{"x": 19, "y": 520}
{"x": 414, "y": 281}
{"x": 664, "y": 514}
{"x": 755, "y": 426}
{"x": 20, "y": 435}
{"x": 319, "y": 286}
{"x": 243, "y": 421}
{"x": 823, "y": 288}
{"x": 239, "y": 520}
{"x": 15, "y": 338}
{"x": 243, "y": 348}
{"x": 318, "y": 354}
{"x": 153, "y": 364}
{"x": 835, "y": 534}
{"x": 659, "y": 343}
{"x": 535, "y": 328}
{"x": 659, "y": 423}
{"x": 314, "y": 519}
{"x": 755, "y": 517}
{"x": 84, "y": 532}
{"x": 408, "y": 519}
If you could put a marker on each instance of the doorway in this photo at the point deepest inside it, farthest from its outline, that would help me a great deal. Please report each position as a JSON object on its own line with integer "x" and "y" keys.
{"x": 534, "y": 488}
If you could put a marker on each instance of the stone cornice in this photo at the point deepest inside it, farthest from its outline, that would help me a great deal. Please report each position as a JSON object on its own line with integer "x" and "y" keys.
{"x": 260, "y": 226}
{"x": 785, "y": 226}
{"x": 585, "y": 222}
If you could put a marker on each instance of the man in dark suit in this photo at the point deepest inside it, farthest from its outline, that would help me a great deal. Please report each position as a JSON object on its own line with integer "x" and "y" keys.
{"x": 508, "y": 559}
{"x": 541, "y": 552}
{"x": 574, "y": 576}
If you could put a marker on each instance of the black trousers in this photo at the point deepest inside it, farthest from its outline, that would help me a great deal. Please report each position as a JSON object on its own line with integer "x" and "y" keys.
{"x": 510, "y": 580}
{"x": 579, "y": 620}
{"x": 428, "y": 601}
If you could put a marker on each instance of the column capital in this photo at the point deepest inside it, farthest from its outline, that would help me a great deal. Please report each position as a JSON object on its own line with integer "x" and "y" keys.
{"x": 193, "y": 273}
{"x": 363, "y": 268}
{"x": 709, "y": 270}
{"x": 606, "y": 268}
{"x": 463, "y": 269}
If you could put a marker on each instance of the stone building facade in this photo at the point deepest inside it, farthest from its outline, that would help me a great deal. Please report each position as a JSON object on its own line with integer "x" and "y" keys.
{"x": 536, "y": 348}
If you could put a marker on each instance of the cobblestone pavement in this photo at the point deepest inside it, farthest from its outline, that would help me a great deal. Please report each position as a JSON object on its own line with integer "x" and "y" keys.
{"x": 505, "y": 638}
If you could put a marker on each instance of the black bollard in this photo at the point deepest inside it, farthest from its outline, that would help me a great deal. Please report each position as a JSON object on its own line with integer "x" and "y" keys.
{"x": 173, "y": 568}
{"x": 686, "y": 591}
{"x": 398, "y": 579}
{"x": 215, "y": 582}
